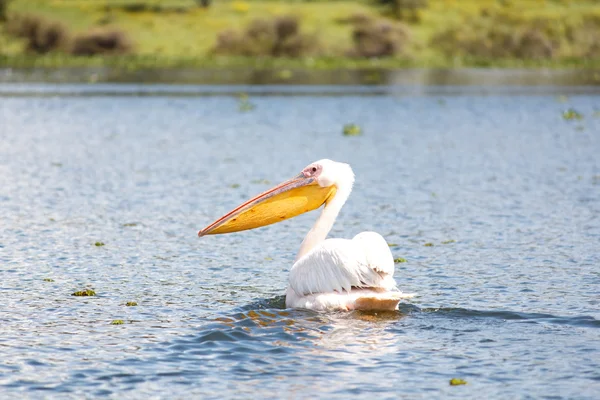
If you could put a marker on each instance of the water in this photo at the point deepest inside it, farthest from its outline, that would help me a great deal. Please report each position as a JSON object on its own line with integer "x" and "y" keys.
{"x": 506, "y": 190}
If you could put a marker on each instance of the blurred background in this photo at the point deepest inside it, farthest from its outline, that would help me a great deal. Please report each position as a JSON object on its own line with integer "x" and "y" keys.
{"x": 304, "y": 35}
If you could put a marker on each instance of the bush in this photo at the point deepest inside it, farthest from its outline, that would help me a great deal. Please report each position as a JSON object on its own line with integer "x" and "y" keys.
{"x": 277, "y": 37}
{"x": 584, "y": 37}
{"x": 102, "y": 41}
{"x": 146, "y": 7}
{"x": 378, "y": 38}
{"x": 404, "y": 10}
{"x": 3, "y": 10}
{"x": 42, "y": 36}
{"x": 497, "y": 34}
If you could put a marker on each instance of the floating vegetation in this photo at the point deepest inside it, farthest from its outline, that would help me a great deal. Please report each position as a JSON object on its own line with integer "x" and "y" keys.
{"x": 48, "y": 280}
{"x": 457, "y": 381}
{"x": 352, "y": 130}
{"x": 244, "y": 103}
{"x": 399, "y": 260}
{"x": 392, "y": 245}
{"x": 99, "y": 244}
{"x": 127, "y": 224}
{"x": 572, "y": 114}
{"x": 246, "y": 106}
{"x": 117, "y": 322}
{"x": 234, "y": 185}
{"x": 428, "y": 244}
{"x": 449, "y": 241}
{"x": 131, "y": 303}
{"x": 85, "y": 292}
{"x": 56, "y": 164}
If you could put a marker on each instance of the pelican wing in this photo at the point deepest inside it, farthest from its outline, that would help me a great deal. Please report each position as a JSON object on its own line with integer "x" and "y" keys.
{"x": 338, "y": 265}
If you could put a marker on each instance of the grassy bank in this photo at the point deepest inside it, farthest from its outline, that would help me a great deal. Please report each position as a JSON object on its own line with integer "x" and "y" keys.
{"x": 179, "y": 33}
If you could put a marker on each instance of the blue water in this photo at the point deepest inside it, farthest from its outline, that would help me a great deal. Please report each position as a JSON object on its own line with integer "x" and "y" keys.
{"x": 504, "y": 188}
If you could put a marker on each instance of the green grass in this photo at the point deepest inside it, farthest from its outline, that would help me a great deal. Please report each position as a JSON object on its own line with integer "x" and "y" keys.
{"x": 185, "y": 39}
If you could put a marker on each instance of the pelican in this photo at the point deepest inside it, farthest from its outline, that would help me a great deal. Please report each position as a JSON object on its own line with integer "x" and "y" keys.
{"x": 327, "y": 274}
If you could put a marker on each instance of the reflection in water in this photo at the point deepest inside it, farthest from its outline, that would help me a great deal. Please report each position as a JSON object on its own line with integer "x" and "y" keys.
{"x": 246, "y": 76}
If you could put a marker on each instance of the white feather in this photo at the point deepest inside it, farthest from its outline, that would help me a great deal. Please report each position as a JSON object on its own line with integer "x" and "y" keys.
{"x": 337, "y": 265}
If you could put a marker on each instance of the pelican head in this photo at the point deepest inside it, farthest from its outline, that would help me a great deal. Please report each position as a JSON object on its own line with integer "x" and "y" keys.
{"x": 316, "y": 185}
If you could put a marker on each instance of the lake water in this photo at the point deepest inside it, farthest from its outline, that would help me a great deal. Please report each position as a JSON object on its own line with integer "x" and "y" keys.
{"x": 505, "y": 189}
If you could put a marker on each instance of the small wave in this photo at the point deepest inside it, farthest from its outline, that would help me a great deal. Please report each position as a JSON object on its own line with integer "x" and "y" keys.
{"x": 582, "y": 321}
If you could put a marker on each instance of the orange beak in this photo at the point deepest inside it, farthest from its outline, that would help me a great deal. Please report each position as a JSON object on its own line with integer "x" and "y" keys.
{"x": 286, "y": 200}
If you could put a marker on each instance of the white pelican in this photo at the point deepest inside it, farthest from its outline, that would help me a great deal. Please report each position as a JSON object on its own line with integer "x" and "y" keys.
{"x": 328, "y": 274}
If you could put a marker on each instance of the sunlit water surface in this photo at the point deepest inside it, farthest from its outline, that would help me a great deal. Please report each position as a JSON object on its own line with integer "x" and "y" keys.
{"x": 504, "y": 188}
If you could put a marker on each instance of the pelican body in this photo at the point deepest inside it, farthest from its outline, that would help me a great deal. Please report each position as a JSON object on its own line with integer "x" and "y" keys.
{"x": 327, "y": 274}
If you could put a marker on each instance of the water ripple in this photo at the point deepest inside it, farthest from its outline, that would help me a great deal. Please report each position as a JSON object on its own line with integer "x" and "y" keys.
{"x": 491, "y": 196}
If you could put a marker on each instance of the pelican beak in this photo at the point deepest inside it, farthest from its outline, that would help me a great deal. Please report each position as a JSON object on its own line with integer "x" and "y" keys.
{"x": 286, "y": 200}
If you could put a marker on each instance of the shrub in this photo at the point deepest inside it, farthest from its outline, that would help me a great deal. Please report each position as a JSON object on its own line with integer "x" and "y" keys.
{"x": 404, "y": 10}
{"x": 584, "y": 37}
{"x": 102, "y": 41}
{"x": 276, "y": 37}
{"x": 3, "y": 10}
{"x": 378, "y": 38}
{"x": 41, "y": 35}
{"x": 498, "y": 35}
{"x": 203, "y": 3}
{"x": 147, "y": 7}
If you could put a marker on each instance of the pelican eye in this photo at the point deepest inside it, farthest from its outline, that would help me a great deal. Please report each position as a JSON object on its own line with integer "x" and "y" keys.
{"x": 314, "y": 169}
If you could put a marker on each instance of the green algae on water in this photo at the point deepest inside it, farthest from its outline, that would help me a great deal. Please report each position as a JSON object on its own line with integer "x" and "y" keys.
{"x": 392, "y": 245}
{"x": 117, "y": 322}
{"x": 244, "y": 103}
{"x": 428, "y": 244}
{"x": 234, "y": 185}
{"x": 399, "y": 260}
{"x": 99, "y": 244}
{"x": 131, "y": 304}
{"x": 352, "y": 130}
{"x": 246, "y": 106}
{"x": 85, "y": 292}
{"x": 572, "y": 115}
{"x": 449, "y": 241}
{"x": 457, "y": 381}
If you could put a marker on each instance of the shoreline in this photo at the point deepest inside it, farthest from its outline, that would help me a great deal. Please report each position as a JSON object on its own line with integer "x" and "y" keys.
{"x": 494, "y": 78}
{"x": 133, "y": 62}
